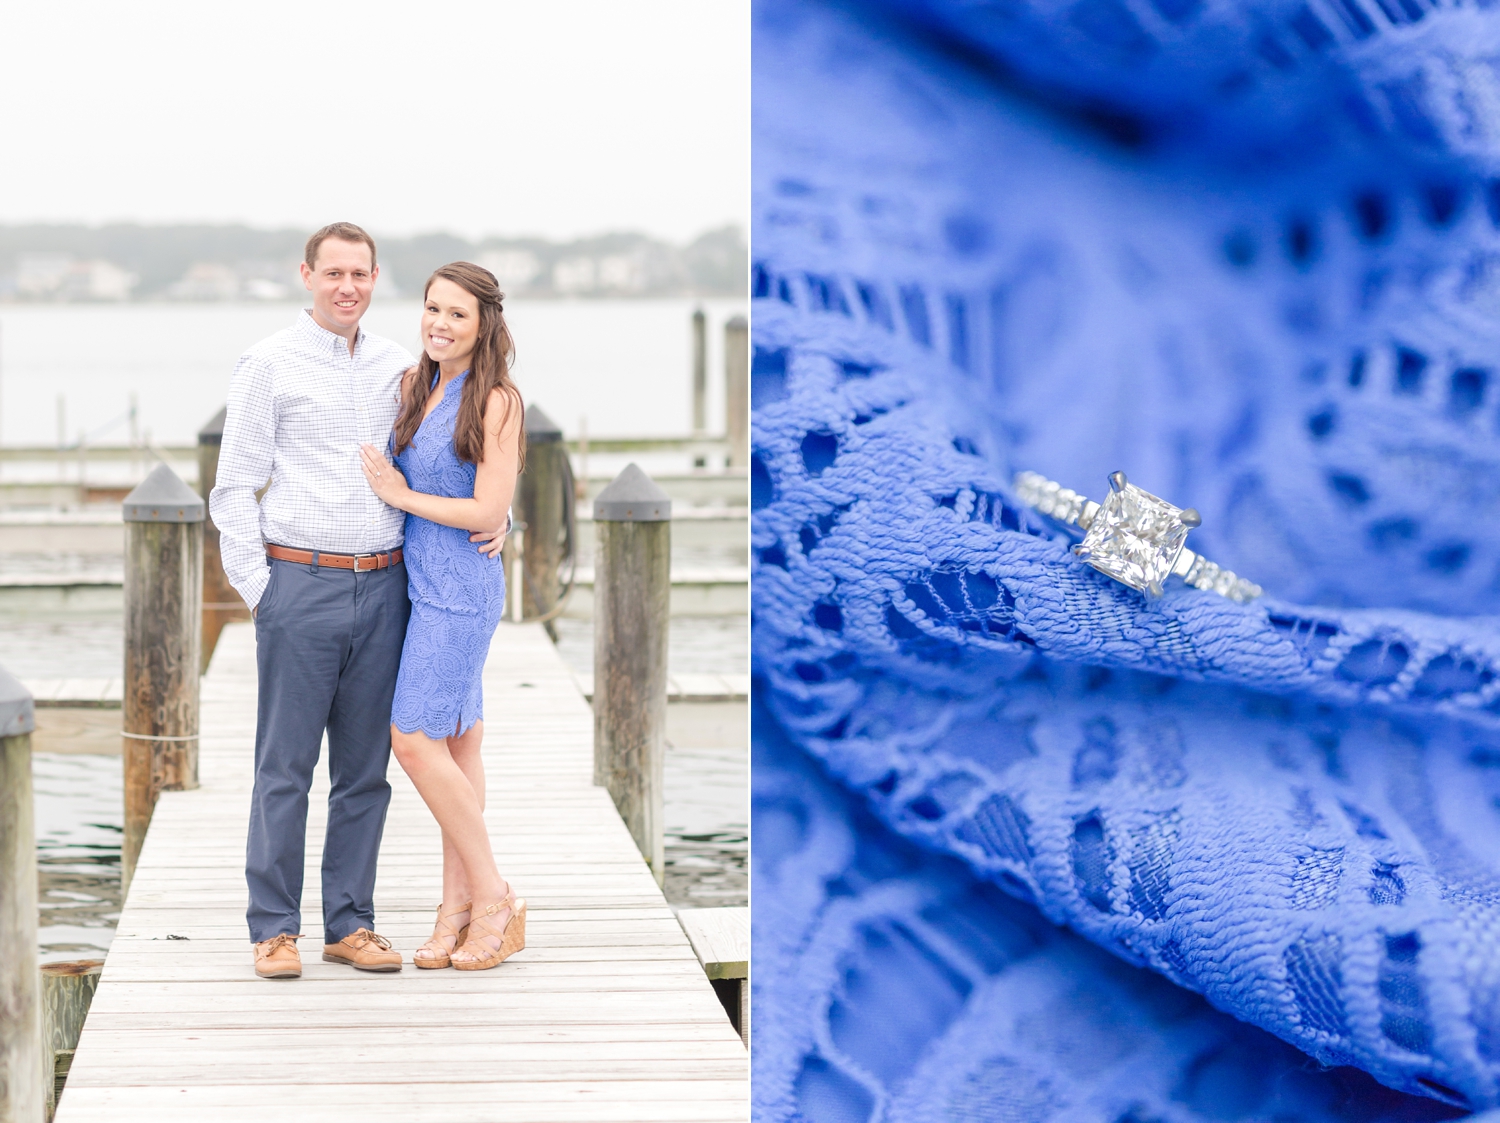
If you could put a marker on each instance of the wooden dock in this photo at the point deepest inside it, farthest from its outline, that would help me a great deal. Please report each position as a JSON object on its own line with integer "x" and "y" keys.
{"x": 606, "y": 1016}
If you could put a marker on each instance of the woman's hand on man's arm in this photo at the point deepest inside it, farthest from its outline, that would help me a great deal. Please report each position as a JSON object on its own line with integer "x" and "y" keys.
{"x": 384, "y": 478}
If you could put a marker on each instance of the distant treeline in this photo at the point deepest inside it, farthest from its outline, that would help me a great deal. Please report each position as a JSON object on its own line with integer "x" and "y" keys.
{"x": 130, "y": 262}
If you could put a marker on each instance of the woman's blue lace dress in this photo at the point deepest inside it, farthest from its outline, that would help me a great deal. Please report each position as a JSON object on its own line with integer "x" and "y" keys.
{"x": 1247, "y": 250}
{"x": 457, "y": 594}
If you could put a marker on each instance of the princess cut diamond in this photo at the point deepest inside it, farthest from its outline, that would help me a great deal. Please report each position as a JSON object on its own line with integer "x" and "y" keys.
{"x": 1135, "y": 538}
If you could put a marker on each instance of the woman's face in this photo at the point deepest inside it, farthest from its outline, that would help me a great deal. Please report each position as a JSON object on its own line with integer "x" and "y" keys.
{"x": 450, "y": 324}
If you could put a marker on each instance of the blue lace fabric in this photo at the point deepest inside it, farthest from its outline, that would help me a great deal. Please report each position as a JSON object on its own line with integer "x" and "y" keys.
{"x": 457, "y": 594}
{"x": 895, "y": 983}
{"x": 1247, "y": 253}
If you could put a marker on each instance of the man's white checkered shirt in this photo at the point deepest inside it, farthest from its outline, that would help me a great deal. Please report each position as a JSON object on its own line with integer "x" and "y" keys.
{"x": 300, "y": 405}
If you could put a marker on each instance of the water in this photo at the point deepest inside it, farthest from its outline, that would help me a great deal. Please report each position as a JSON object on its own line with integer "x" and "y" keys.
{"x": 705, "y": 810}
{"x": 46, "y": 646}
{"x": 625, "y": 364}
{"x": 705, "y": 798}
{"x": 79, "y": 801}
{"x": 717, "y": 645}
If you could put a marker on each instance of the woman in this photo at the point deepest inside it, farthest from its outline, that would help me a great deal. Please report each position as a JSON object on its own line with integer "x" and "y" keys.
{"x": 459, "y": 444}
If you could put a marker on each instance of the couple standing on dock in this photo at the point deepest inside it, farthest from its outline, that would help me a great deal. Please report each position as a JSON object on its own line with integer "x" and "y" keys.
{"x": 379, "y": 642}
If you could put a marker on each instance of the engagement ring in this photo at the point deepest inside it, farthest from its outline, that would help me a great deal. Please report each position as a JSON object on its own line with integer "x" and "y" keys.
{"x": 1134, "y": 536}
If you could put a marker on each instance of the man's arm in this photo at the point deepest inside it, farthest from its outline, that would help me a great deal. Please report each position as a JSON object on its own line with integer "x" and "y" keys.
{"x": 245, "y": 460}
{"x": 491, "y": 542}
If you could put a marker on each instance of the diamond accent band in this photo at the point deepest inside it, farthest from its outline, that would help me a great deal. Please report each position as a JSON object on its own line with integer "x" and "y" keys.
{"x": 1135, "y": 537}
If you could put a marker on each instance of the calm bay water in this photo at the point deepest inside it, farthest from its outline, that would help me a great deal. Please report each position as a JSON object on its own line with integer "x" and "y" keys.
{"x": 624, "y": 364}
{"x": 78, "y": 802}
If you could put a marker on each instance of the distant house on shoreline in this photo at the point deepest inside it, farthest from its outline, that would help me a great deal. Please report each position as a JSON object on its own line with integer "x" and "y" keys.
{"x": 59, "y": 277}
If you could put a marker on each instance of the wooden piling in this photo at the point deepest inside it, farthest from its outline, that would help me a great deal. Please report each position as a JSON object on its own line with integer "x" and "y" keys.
{"x": 700, "y": 373}
{"x": 22, "y": 1070}
{"x": 632, "y": 584}
{"x": 510, "y": 560}
{"x": 163, "y": 648}
{"x": 737, "y": 391}
{"x": 67, "y": 992}
{"x": 544, "y": 502}
{"x": 221, "y": 603}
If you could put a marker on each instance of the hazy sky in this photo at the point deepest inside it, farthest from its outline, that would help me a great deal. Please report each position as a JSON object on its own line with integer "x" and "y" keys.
{"x": 549, "y": 117}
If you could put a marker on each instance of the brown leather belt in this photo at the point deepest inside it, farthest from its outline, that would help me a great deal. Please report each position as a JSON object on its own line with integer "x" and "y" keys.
{"x": 357, "y": 562}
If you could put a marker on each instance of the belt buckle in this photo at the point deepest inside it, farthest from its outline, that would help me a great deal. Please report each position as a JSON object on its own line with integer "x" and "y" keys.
{"x": 374, "y": 560}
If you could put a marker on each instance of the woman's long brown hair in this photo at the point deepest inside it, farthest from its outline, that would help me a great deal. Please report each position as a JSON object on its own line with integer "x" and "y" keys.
{"x": 489, "y": 369}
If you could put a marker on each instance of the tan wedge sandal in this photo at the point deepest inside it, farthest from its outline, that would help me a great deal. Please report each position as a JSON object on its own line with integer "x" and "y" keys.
{"x": 512, "y": 936}
{"x": 441, "y": 931}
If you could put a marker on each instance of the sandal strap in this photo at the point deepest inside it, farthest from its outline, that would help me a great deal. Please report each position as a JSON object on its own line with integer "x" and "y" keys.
{"x": 489, "y": 926}
{"x": 443, "y": 929}
{"x": 446, "y": 928}
{"x": 508, "y": 901}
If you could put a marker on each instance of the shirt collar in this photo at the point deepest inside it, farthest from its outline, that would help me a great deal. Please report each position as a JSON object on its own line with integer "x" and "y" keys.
{"x": 321, "y": 337}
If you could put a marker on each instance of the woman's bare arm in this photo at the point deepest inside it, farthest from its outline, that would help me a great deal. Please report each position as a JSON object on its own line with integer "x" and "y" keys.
{"x": 494, "y": 479}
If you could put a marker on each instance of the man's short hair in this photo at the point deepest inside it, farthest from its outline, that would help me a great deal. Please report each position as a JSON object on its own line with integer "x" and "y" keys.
{"x": 345, "y": 232}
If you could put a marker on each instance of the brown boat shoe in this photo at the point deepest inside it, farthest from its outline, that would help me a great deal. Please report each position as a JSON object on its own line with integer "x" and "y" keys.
{"x": 277, "y": 958}
{"x": 365, "y": 950}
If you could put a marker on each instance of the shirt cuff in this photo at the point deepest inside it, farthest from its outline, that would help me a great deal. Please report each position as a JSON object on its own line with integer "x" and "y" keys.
{"x": 254, "y": 587}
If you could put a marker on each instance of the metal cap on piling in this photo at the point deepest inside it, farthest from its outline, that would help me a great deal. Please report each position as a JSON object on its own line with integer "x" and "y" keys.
{"x": 17, "y": 713}
{"x": 541, "y": 429}
{"x": 213, "y": 432}
{"x": 162, "y": 497}
{"x": 633, "y": 496}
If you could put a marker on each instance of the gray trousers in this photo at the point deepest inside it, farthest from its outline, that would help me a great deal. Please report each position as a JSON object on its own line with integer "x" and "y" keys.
{"x": 328, "y": 648}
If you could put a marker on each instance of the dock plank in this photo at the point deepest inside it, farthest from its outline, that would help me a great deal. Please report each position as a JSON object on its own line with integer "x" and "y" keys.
{"x": 607, "y": 1016}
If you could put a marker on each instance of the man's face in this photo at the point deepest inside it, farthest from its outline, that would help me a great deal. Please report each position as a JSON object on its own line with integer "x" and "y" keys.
{"x": 341, "y": 282}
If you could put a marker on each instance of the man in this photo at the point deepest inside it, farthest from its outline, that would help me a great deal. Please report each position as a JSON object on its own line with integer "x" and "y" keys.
{"x": 319, "y": 563}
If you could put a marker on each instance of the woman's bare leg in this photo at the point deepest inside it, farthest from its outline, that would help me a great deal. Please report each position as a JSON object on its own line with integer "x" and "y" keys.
{"x": 465, "y": 752}
{"x": 454, "y": 803}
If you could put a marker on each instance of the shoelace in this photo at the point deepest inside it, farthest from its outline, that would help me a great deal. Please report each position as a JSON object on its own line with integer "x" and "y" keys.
{"x": 276, "y": 943}
{"x": 364, "y": 936}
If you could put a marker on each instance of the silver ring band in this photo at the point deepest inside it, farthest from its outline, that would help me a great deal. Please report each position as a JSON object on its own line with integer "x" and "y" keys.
{"x": 1139, "y": 540}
